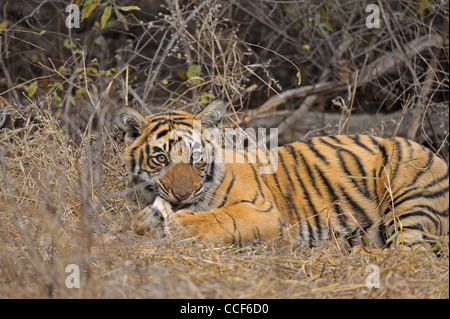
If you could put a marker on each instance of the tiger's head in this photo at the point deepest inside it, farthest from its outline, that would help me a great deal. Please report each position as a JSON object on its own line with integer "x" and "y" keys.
{"x": 168, "y": 154}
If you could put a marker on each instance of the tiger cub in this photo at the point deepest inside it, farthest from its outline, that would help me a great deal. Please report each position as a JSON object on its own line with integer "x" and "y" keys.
{"x": 386, "y": 190}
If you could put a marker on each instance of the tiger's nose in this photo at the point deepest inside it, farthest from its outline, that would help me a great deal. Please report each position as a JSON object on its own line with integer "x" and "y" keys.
{"x": 181, "y": 196}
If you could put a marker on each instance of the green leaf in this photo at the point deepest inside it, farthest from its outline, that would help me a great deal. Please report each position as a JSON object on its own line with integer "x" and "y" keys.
{"x": 4, "y": 24}
{"x": 120, "y": 16}
{"x": 66, "y": 44}
{"x": 437, "y": 246}
{"x": 193, "y": 73}
{"x": 299, "y": 78}
{"x": 425, "y": 5}
{"x": 129, "y": 8}
{"x": 88, "y": 8}
{"x": 42, "y": 32}
{"x": 105, "y": 16}
{"x": 324, "y": 20}
{"x": 393, "y": 236}
{"x": 365, "y": 240}
{"x": 93, "y": 62}
{"x": 56, "y": 97}
{"x": 31, "y": 90}
{"x": 80, "y": 92}
{"x": 206, "y": 97}
{"x": 55, "y": 84}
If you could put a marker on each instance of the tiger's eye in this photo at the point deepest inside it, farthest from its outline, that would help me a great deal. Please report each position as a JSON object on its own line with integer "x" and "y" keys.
{"x": 196, "y": 157}
{"x": 161, "y": 159}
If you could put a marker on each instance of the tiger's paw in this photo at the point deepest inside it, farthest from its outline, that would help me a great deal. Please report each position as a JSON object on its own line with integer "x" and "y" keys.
{"x": 185, "y": 224}
{"x": 153, "y": 219}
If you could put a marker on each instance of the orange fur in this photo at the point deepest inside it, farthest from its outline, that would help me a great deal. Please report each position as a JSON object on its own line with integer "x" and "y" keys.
{"x": 346, "y": 185}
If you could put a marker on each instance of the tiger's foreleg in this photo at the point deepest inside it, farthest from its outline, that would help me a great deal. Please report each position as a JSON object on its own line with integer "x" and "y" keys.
{"x": 153, "y": 218}
{"x": 239, "y": 223}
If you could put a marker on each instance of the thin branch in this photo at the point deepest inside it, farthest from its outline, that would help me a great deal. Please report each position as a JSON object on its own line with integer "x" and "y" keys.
{"x": 374, "y": 70}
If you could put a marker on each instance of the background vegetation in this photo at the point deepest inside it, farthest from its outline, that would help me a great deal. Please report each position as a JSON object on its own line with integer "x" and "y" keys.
{"x": 63, "y": 189}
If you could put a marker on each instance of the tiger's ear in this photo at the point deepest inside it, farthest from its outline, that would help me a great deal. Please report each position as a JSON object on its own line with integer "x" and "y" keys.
{"x": 131, "y": 122}
{"x": 212, "y": 113}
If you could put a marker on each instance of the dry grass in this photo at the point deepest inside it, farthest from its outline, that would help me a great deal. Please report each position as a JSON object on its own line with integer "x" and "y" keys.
{"x": 63, "y": 187}
{"x": 63, "y": 204}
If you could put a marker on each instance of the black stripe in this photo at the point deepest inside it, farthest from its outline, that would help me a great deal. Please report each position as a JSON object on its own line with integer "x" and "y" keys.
{"x": 171, "y": 114}
{"x": 255, "y": 198}
{"x": 156, "y": 149}
{"x": 334, "y": 197}
{"x": 141, "y": 158}
{"x": 425, "y": 170}
{"x": 234, "y": 221}
{"x": 308, "y": 198}
{"x": 157, "y": 126}
{"x": 180, "y": 123}
{"x": 437, "y": 181}
{"x": 414, "y": 227}
{"x": 403, "y": 193}
{"x": 397, "y": 146}
{"x": 323, "y": 141}
{"x": 163, "y": 133}
{"x": 292, "y": 152}
{"x": 335, "y": 138}
{"x": 375, "y": 183}
{"x": 132, "y": 164}
{"x": 213, "y": 195}
{"x": 147, "y": 152}
{"x": 133, "y": 161}
{"x": 171, "y": 125}
{"x": 356, "y": 182}
{"x": 443, "y": 213}
{"x": 256, "y": 234}
{"x": 266, "y": 210}
{"x": 357, "y": 140}
{"x": 420, "y": 194}
{"x": 210, "y": 173}
{"x": 385, "y": 157}
{"x": 163, "y": 188}
{"x": 360, "y": 212}
{"x": 258, "y": 182}
{"x": 374, "y": 141}
{"x": 311, "y": 146}
{"x": 292, "y": 206}
{"x": 274, "y": 198}
{"x": 301, "y": 221}
{"x": 275, "y": 179}
{"x": 415, "y": 213}
{"x": 227, "y": 191}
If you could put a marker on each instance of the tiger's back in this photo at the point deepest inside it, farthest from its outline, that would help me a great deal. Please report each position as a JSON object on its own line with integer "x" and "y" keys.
{"x": 339, "y": 185}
